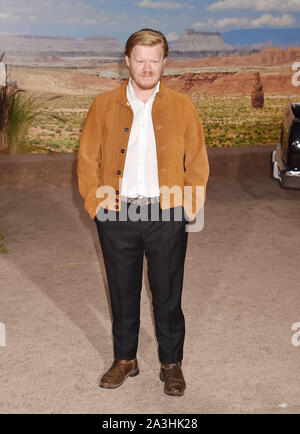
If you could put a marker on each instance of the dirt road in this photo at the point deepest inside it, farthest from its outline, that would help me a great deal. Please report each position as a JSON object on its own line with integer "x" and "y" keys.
{"x": 241, "y": 297}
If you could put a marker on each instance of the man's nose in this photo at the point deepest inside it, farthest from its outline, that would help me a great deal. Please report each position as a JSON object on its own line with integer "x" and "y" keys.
{"x": 147, "y": 65}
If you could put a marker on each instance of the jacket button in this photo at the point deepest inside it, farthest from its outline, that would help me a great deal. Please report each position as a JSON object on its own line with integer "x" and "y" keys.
{"x": 122, "y": 151}
{"x": 119, "y": 172}
{"x": 116, "y": 207}
{"x": 126, "y": 129}
{"x": 117, "y": 192}
{"x": 116, "y": 200}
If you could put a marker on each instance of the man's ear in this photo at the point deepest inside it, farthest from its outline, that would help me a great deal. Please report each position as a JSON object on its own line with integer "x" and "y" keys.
{"x": 127, "y": 61}
{"x": 165, "y": 59}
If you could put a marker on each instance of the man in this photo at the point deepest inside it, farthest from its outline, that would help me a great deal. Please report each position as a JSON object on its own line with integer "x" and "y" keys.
{"x": 142, "y": 152}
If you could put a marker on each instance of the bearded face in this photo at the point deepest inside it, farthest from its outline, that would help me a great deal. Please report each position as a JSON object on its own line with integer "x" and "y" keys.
{"x": 146, "y": 65}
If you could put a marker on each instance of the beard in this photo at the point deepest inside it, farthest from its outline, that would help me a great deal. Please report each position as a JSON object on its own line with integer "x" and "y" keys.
{"x": 146, "y": 82}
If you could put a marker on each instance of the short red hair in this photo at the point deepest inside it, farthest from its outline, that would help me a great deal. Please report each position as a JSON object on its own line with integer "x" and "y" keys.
{"x": 147, "y": 37}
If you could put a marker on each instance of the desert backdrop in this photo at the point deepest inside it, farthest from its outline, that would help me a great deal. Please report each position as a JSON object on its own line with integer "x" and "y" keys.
{"x": 65, "y": 74}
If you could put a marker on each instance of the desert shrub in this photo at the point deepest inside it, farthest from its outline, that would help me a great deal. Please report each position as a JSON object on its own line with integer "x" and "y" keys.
{"x": 17, "y": 113}
{"x": 34, "y": 141}
{"x": 3, "y": 249}
{"x": 52, "y": 144}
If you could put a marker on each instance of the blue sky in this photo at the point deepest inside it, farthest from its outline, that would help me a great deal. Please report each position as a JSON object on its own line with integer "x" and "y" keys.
{"x": 120, "y": 18}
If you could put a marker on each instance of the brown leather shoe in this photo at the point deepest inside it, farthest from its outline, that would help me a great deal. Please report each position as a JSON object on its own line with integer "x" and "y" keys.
{"x": 118, "y": 372}
{"x": 171, "y": 374}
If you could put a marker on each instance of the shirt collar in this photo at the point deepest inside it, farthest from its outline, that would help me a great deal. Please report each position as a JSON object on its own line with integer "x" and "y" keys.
{"x": 132, "y": 95}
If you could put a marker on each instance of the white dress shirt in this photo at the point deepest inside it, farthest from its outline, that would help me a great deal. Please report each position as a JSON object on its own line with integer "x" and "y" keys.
{"x": 140, "y": 177}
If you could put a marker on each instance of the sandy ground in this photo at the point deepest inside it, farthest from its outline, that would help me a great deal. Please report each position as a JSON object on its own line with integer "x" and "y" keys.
{"x": 65, "y": 82}
{"x": 220, "y": 75}
{"x": 61, "y": 81}
{"x": 240, "y": 299}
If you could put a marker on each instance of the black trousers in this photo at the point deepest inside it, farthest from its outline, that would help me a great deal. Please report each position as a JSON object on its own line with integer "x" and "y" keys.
{"x": 161, "y": 235}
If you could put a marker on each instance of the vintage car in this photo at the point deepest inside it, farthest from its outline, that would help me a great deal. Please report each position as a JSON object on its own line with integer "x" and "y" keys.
{"x": 286, "y": 157}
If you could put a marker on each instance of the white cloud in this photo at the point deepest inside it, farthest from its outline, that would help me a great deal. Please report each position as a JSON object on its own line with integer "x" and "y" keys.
{"x": 203, "y": 24}
{"x": 72, "y": 20}
{"x": 53, "y": 13}
{"x": 8, "y": 17}
{"x": 160, "y": 5}
{"x": 269, "y": 20}
{"x": 172, "y": 36}
{"x": 265, "y": 20}
{"x": 219, "y": 24}
{"x": 232, "y": 22}
{"x": 4, "y": 15}
{"x": 154, "y": 22}
{"x": 90, "y": 21}
{"x": 257, "y": 5}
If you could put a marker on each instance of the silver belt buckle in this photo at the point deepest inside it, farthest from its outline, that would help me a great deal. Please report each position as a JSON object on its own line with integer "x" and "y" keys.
{"x": 146, "y": 200}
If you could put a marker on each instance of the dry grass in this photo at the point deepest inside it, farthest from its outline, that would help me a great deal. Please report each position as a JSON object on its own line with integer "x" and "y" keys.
{"x": 3, "y": 249}
{"x": 227, "y": 121}
{"x": 231, "y": 120}
{"x": 58, "y": 126}
{"x": 17, "y": 113}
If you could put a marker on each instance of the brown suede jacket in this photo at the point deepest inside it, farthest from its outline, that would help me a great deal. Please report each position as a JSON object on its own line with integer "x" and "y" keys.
{"x": 181, "y": 152}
